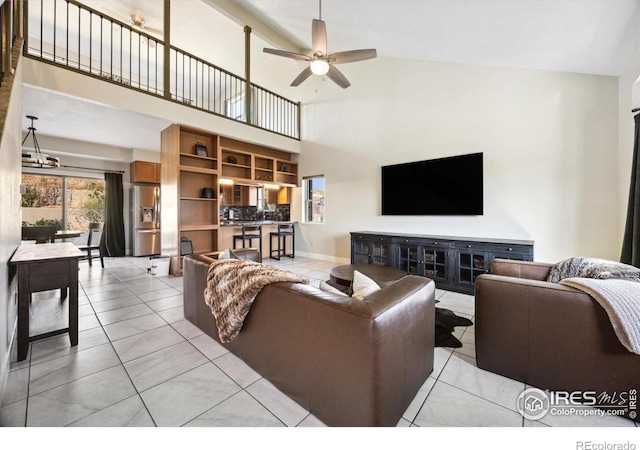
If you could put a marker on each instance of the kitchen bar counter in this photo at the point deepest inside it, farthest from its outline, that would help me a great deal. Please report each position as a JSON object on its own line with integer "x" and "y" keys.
{"x": 239, "y": 223}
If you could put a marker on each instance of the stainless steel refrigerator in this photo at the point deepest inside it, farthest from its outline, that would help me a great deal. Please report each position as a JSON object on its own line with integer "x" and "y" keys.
{"x": 145, "y": 219}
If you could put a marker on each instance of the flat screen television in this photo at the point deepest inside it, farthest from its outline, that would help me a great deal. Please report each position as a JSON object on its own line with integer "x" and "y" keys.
{"x": 450, "y": 186}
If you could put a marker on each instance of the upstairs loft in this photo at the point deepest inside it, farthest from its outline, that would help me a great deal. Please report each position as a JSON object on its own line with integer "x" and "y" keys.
{"x": 68, "y": 34}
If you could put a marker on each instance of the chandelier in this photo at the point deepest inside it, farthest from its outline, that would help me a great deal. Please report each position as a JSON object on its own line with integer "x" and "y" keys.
{"x": 35, "y": 158}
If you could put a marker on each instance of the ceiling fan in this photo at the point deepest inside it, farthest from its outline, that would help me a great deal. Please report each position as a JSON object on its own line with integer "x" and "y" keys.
{"x": 139, "y": 24}
{"x": 322, "y": 63}
{"x": 137, "y": 21}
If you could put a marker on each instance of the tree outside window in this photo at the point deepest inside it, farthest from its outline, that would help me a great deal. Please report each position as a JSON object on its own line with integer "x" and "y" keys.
{"x": 66, "y": 202}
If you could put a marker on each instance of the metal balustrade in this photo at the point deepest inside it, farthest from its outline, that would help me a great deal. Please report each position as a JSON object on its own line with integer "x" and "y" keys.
{"x": 72, "y": 35}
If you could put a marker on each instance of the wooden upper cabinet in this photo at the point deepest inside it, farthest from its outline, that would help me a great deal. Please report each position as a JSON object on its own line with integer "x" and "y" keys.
{"x": 145, "y": 172}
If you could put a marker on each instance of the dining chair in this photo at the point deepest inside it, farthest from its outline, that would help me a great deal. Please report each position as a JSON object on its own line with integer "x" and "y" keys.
{"x": 41, "y": 234}
{"x": 93, "y": 242}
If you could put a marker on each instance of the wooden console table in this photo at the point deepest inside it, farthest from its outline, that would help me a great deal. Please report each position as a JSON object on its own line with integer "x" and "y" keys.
{"x": 45, "y": 267}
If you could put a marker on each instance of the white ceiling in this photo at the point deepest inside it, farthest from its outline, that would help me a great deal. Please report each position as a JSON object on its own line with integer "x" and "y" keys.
{"x": 582, "y": 36}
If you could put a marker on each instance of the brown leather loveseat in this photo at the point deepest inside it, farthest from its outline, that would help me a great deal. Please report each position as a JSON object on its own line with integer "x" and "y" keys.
{"x": 348, "y": 362}
{"x": 548, "y": 335}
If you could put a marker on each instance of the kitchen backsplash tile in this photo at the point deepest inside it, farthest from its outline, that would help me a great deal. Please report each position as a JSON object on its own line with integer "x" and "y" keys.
{"x": 281, "y": 214}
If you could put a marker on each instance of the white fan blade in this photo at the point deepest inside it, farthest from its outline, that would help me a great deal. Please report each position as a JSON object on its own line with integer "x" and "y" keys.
{"x": 352, "y": 56}
{"x": 306, "y": 73}
{"x": 286, "y": 54}
{"x": 319, "y": 37}
{"x": 335, "y": 75}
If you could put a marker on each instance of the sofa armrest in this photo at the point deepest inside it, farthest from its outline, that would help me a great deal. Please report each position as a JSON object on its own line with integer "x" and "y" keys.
{"x": 520, "y": 269}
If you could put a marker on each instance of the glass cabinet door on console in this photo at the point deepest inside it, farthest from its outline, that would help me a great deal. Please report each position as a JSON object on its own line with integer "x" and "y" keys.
{"x": 431, "y": 262}
{"x": 381, "y": 253}
{"x": 360, "y": 252}
{"x": 436, "y": 264}
{"x": 470, "y": 265}
{"x": 409, "y": 259}
{"x": 371, "y": 250}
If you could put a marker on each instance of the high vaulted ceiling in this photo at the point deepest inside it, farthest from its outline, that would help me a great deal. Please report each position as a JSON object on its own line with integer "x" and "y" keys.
{"x": 582, "y": 36}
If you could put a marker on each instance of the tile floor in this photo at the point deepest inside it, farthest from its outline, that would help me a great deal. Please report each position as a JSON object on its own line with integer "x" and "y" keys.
{"x": 139, "y": 363}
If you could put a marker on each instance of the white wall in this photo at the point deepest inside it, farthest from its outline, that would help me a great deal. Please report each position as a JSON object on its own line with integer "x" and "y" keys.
{"x": 9, "y": 227}
{"x": 549, "y": 141}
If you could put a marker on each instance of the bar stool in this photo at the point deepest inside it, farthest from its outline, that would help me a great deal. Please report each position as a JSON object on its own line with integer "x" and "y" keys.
{"x": 284, "y": 230}
{"x": 249, "y": 233}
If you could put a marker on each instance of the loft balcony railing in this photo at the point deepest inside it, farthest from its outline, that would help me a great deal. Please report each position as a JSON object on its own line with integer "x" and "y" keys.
{"x": 72, "y": 35}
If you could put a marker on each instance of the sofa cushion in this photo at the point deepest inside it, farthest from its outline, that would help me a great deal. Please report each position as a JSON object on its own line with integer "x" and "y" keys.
{"x": 227, "y": 254}
{"x": 579, "y": 267}
{"x": 363, "y": 286}
{"x": 324, "y": 286}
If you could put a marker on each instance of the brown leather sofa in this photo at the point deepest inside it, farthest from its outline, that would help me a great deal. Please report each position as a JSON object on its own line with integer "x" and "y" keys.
{"x": 548, "y": 335}
{"x": 348, "y": 362}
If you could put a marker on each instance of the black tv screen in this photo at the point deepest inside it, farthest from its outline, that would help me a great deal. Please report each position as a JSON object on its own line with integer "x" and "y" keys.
{"x": 440, "y": 187}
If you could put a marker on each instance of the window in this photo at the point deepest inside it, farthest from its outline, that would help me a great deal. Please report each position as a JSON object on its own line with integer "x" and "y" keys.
{"x": 66, "y": 202}
{"x": 313, "y": 199}
{"x": 235, "y": 107}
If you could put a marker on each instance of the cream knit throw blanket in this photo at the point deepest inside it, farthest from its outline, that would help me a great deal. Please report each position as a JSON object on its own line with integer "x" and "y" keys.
{"x": 232, "y": 286}
{"x": 620, "y": 298}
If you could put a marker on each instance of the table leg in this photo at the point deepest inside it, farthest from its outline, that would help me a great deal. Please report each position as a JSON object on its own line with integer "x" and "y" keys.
{"x": 73, "y": 302}
{"x": 24, "y": 294}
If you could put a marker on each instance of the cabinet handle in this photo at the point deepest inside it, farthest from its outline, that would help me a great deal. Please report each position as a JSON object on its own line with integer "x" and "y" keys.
{"x": 509, "y": 249}
{"x": 435, "y": 243}
{"x": 469, "y": 246}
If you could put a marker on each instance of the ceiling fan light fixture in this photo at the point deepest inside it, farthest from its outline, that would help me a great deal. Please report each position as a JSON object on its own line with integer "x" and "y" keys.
{"x": 319, "y": 67}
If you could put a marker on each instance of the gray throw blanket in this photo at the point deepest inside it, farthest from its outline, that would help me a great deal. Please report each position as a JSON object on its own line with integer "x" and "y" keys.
{"x": 232, "y": 286}
{"x": 620, "y": 298}
{"x": 591, "y": 268}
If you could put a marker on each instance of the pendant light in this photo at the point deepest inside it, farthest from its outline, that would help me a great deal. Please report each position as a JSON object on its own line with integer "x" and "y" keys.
{"x": 35, "y": 158}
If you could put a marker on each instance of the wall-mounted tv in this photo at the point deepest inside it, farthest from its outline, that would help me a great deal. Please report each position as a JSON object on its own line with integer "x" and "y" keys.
{"x": 450, "y": 186}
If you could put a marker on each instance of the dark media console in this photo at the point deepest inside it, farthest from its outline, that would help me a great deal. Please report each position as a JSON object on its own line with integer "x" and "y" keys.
{"x": 452, "y": 262}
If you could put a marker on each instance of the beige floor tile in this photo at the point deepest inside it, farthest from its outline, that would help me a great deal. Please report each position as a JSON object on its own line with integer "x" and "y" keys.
{"x": 130, "y": 412}
{"x": 463, "y": 373}
{"x": 162, "y": 365}
{"x": 72, "y": 401}
{"x": 237, "y": 369}
{"x": 62, "y": 370}
{"x": 138, "y": 345}
{"x": 187, "y": 396}
{"x": 278, "y": 403}
{"x": 240, "y": 410}
{"x": 447, "y": 406}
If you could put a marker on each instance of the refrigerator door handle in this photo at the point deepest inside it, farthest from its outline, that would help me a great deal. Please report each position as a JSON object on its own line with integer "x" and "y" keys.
{"x": 156, "y": 206}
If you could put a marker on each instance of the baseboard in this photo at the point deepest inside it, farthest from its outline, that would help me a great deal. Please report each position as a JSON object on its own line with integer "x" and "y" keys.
{"x": 5, "y": 364}
{"x": 323, "y": 257}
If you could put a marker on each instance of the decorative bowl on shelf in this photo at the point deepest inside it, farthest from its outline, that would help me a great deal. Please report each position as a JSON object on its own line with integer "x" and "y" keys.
{"x": 232, "y": 159}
